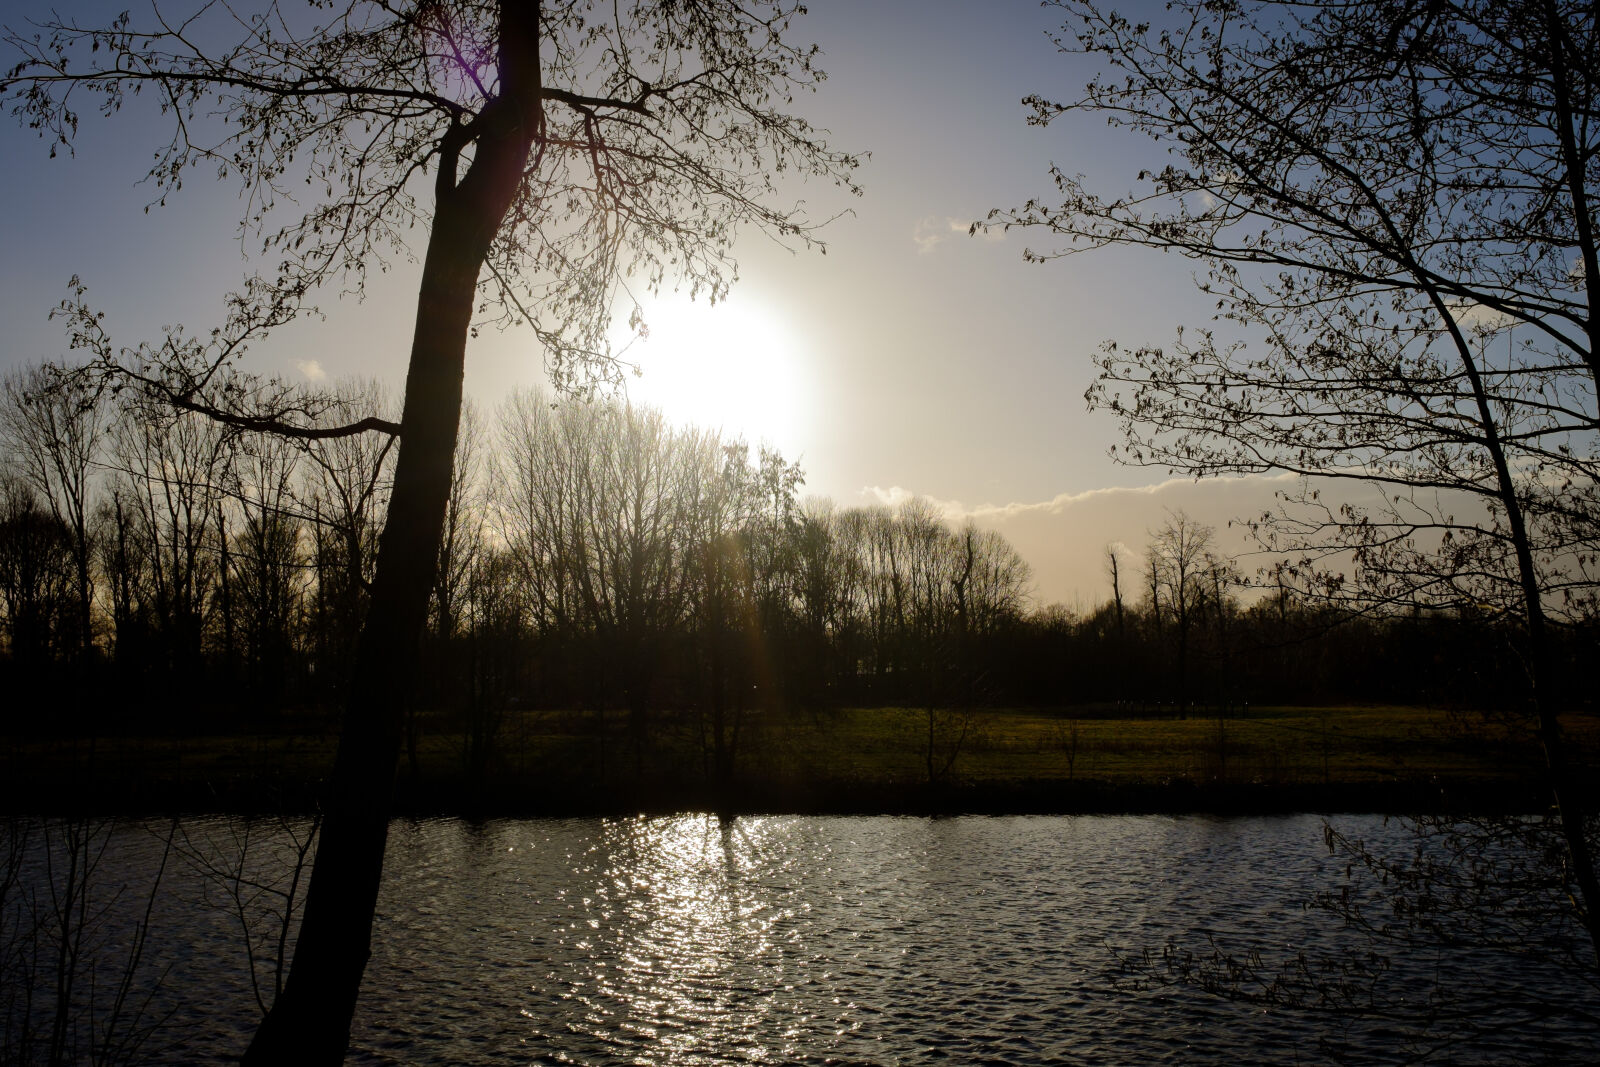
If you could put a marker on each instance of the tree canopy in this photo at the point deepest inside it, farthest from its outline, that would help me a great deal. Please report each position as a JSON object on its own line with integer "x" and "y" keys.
{"x": 657, "y": 130}
{"x": 1394, "y": 207}
{"x": 570, "y": 148}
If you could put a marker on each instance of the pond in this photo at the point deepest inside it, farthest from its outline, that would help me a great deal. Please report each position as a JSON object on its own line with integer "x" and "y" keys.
{"x": 800, "y": 939}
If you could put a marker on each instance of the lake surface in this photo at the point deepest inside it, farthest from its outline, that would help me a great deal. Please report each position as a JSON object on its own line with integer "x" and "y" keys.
{"x": 819, "y": 940}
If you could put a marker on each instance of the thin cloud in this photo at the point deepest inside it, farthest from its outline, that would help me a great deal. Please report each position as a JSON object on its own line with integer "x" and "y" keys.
{"x": 929, "y": 232}
{"x": 1481, "y": 319}
{"x": 927, "y": 236}
{"x": 311, "y": 369}
{"x": 1065, "y": 538}
{"x": 895, "y": 495}
{"x": 1062, "y": 501}
{"x": 955, "y": 510}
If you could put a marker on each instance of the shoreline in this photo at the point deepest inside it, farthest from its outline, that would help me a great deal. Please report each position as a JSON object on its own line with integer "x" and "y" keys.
{"x": 1013, "y": 798}
{"x": 1267, "y": 760}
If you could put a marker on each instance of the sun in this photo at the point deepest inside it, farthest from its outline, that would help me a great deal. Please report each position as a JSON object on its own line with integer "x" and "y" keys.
{"x": 732, "y": 366}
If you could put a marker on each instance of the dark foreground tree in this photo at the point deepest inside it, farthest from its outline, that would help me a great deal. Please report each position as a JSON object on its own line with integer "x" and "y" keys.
{"x": 1394, "y": 205}
{"x": 569, "y": 146}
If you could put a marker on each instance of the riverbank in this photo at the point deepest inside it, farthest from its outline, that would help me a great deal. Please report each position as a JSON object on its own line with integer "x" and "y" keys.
{"x": 853, "y": 761}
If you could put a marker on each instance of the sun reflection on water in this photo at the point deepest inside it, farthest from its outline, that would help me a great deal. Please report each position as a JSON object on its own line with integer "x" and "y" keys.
{"x": 682, "y": 909}
{"x": 694, "y": 941}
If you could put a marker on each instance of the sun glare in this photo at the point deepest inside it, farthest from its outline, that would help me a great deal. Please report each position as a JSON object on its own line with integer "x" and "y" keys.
{"x": 733, "y": 366}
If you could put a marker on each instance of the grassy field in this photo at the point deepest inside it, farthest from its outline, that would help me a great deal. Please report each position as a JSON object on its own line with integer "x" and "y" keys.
{"x": 589, "y": 759}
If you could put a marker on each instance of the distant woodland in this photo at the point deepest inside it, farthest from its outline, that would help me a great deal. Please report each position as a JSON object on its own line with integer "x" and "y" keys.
{"x": 156, "y": 566}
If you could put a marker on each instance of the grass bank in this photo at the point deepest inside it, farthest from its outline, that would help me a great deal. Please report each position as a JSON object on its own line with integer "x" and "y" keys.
{"x": 860, "y": 759}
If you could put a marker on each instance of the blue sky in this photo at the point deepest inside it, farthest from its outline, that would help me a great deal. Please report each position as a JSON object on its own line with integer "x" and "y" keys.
{"x": 910, "y": 359}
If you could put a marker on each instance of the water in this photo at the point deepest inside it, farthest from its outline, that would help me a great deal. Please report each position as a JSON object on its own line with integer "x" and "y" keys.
{"x": 881, "y": 940}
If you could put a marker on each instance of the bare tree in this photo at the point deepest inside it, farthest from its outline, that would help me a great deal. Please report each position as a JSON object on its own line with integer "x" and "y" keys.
{"x": 253, "y": 869}
{"x": 631, "y": 577}
{"x": 53, "y": 426}
{"x": 459, "y": 552}
{"x": 125, "y": 556}
{"x": 593, "y": 507}
{"x": 997, "y": 581}
{"x": 171, "y": 468}
{"x": 261, "y": 574}
{"x": 344, "y": 492}
{"x": 829, "y": 622}
{"x": 75, "y": 983}
{"x": 464, "y": 522}
{"x": 1114, "y": 571}
{"x": 1394, "y": 205}
{"x": 722, "y": 605}
{"x": 1177, "y": 566}
{"x": 567, "y": 149}
{"x": 539, "y": 485}
{"x": 35, "y": 574}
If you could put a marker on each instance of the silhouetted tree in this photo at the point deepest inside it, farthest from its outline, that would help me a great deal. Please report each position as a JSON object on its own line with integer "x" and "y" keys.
{"x": 53, "y": 426}
{"x": 565, "y": 151}
{"x": 460, "y": 550}
{"x": 346, "y": 484}
{"x": 771, "y": 559}
{"x": 828, "y": 623}
{"x": 721, "y": 603}
{"x": 35, "y": 579}
{"x": 631, "y": 576}
{"x": 494, "y": 622}
{"x": 1114, "y": 572}
{"x": 1395, "y": 207}
{"x": 170, "y": 472}
{"x": 262, "y": 568}
{"x": 125, "y": 553}
{"x": 1177, "y": 566}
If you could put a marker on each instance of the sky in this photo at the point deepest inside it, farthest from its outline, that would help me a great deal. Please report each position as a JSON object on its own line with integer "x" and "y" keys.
{"x": 909, "y": 360}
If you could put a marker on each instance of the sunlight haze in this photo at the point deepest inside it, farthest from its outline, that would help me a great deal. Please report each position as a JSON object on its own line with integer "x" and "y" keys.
{"x": 910, "y": 356}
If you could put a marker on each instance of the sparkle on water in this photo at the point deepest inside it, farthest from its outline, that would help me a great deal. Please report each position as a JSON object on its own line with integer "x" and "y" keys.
{"x": 872, "y": 940}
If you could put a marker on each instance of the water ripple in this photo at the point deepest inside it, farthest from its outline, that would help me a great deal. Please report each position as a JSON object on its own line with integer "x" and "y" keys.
{"x": 694, "y": 940}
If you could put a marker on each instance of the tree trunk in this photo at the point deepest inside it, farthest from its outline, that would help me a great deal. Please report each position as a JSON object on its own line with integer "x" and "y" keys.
{"x": 310, "y": 1022}
{"x": 1565, "y": 794}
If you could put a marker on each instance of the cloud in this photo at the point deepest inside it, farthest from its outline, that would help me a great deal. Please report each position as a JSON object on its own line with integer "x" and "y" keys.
{"x": 896, "y": 495}
{"x": 1480, "y": 319}
{"x": 1173, "y": 487}
{"x": 893, "y": 496}
{"x": 1065, "y": 538}
{"x": 930, "y": 232}
{"x": 927, "y": 236}
{"x": 311, "y": 369}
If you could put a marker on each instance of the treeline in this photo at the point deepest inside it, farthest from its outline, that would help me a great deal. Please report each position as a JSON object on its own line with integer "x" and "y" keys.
{"x": 161, "y": 565}
{"x": 594, "y": 557}
{"x": 1185, "y": 632}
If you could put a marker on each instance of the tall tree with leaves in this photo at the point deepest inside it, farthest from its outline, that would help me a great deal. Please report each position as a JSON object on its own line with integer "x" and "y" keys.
{"x": 569, "y": 147}
{"x": 1394, "y": 206}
